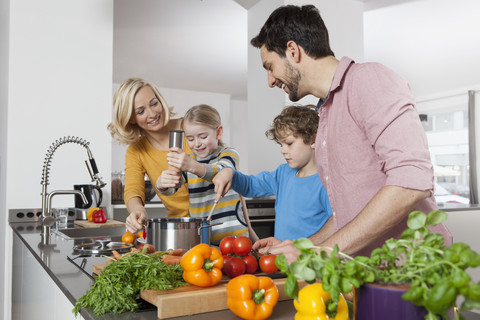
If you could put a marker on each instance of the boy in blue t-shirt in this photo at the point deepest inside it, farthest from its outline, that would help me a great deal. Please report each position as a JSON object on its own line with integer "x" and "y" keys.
{"x": 302, "y": 206}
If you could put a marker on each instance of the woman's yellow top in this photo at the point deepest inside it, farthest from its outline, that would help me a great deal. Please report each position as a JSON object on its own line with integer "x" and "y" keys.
{"x": 140, "y": 158}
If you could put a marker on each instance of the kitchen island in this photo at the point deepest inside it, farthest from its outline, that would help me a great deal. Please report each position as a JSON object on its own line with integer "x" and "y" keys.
{"x": 74, "y": 279}
{"x": 56, "y": 262}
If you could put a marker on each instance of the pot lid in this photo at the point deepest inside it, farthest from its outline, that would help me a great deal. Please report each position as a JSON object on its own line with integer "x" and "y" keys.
{"x": 102, "y": 247}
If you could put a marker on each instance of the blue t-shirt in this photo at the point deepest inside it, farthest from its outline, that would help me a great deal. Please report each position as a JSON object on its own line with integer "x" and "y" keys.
{"x": 301, "y": 207}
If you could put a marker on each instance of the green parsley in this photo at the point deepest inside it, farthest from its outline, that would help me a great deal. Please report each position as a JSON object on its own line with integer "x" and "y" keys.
{"x": 117, "y": 288}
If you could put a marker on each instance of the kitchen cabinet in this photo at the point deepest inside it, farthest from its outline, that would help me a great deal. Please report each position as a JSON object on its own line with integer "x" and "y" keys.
{"x": 34, "y": 294}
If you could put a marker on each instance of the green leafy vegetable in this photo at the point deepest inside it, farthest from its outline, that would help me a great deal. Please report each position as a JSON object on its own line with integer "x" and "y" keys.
{"x": 118, "y": 286}
{"x": 435, "y": 273}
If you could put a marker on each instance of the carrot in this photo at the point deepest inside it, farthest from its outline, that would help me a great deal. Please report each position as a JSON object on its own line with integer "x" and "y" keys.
{"x": 169, "y": 259}
{"x": 116, "y": 255}
{"x": 176, "y": 252}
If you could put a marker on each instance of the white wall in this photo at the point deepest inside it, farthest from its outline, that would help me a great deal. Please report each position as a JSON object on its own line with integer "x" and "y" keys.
{"x": 265, "y": 103}
{"x": 239, "y": 125}
{"x": 58, "y": 83}
{"x": 4, "y": 47}
{"x": 434, "y": 44}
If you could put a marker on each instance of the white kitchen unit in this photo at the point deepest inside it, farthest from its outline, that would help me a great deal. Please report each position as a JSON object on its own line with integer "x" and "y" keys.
{"x": 35, "y": 295}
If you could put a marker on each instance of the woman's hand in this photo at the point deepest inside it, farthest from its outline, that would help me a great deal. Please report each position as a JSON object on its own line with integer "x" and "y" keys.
{"x": 223, "y": 182}
{"x": 168, "y": 179}
{"x": 136, "y": 220}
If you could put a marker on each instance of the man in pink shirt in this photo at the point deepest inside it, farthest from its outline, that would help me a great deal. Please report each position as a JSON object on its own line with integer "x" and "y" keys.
{"x": 371, "y": 150}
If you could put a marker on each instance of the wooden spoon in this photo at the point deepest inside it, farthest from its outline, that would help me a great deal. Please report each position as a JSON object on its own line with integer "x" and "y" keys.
{"x": 211, "y": 211}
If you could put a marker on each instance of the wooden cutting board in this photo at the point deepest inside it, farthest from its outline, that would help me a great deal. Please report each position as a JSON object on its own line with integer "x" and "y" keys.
{"x": 191, "y": 299}
{"x": 89, "y": 224}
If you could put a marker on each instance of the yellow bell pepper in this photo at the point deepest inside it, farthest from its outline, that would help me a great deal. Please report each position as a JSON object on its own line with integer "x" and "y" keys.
{"x": 202, "y": 265}
{"x": 251, "y": 297}
{"x": 90, "y": 213}
{"x": 311, "y": 304}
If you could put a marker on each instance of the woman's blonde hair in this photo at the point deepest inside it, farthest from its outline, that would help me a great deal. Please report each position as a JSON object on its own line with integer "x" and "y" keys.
{"x": 123, "y": 108}
{"x": 205, "y": 115}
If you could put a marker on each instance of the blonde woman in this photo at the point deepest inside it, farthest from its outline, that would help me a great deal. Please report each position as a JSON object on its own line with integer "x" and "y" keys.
{"x": 142, "y": 119}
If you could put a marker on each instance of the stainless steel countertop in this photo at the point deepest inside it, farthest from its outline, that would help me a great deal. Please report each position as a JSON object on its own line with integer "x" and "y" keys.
{"x": 74, "y": 283}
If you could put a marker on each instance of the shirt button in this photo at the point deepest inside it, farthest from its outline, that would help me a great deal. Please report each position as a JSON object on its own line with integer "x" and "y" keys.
{"x": 333, "y": 213}
{"x": 326, "y": 178}
{"x": 324, "y": 142}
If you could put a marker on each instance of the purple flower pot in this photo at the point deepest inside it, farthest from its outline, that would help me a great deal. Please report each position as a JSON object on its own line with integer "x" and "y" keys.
{"x": 380, "y": 302}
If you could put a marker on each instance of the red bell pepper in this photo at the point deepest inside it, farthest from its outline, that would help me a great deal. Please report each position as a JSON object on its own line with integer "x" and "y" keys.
{"x": 99, "y": 216}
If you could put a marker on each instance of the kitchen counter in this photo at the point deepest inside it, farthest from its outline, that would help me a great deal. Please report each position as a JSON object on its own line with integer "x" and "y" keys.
{"x": 74, "y": 282}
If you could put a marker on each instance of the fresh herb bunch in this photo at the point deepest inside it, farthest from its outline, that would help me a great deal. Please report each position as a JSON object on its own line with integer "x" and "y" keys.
{"x": 117, "y": 287}
{"x": 435, "y": 273}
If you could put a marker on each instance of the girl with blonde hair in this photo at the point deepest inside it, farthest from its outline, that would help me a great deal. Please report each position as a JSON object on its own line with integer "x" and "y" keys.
{"x": 203, "y": 132}
{"x": 143, "y": 120}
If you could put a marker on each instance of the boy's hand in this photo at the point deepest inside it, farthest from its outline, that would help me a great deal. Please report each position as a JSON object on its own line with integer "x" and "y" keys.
{"x": 179, "y": 159}
{"x": 168, "y": 179}
{"x": 223, "y": 182}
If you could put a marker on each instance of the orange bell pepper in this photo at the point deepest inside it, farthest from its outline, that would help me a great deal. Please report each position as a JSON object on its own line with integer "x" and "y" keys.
{"x": 202, "y": 265}
{"x": 251, "y": 297}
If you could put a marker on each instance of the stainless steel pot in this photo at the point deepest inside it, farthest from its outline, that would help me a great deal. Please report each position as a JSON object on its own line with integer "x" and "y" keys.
{"x": 177, "y": 233}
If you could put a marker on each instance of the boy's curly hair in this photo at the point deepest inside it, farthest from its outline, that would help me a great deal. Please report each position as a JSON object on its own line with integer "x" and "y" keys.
{"x": 300, "y": 121}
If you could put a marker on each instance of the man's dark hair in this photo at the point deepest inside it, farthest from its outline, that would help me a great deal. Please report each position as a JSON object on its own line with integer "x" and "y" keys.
{"x": 300, "y": 24}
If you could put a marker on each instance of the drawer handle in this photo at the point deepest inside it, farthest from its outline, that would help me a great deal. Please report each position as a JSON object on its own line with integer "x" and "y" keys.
{"x": 261, "y": 220}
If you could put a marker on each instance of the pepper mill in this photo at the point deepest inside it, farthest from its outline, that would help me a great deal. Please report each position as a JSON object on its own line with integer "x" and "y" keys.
{"x": 176, "y": 140}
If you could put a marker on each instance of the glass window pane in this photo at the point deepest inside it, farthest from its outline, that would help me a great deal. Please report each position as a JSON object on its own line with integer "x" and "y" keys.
{"x": 445, "y": 121}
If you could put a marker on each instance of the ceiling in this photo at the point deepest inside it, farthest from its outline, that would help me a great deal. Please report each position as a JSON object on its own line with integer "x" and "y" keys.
{"x": 369, "y": 4}
{"x": 197, "y": 45}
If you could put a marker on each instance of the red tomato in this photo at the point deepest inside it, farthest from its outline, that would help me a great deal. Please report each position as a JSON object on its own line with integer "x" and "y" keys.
{"x": 226, "y": 245}
{"x": 251, "y": 264}
{"x": 234, "y": 267}
{"x": 242, "y": 246}
{"x": 267, "y": 263}
{"x": 225, "y": 259}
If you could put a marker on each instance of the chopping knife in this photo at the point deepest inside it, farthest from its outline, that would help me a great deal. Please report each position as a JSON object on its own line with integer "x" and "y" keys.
{"x": 143, "y": 239}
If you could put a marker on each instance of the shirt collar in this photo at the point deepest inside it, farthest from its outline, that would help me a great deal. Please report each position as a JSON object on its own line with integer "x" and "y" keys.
{"x": 342, "y": 67}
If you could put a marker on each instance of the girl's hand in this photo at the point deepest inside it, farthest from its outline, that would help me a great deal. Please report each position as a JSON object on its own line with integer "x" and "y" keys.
{"x": 168, "y": 179}
{"x": 179, "y": 159}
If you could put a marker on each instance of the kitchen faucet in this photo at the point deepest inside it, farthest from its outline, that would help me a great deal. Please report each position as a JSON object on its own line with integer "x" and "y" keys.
{"x": 47, "y": 197}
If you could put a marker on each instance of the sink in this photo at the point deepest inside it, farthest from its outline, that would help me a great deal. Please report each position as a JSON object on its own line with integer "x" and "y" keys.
{"x": 82, "y": 233}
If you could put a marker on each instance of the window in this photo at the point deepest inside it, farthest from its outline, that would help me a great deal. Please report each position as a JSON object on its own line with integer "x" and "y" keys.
{"x": 446, "y": 123}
